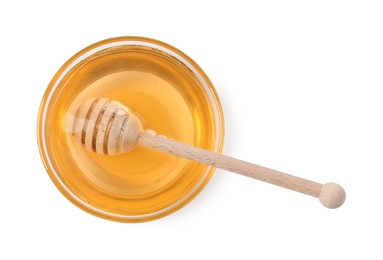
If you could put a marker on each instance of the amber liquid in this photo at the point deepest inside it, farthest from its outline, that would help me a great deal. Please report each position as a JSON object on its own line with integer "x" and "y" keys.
{"x": 167, "y": 98}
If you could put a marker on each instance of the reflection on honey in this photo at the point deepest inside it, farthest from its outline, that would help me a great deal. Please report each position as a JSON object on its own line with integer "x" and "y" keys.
{"x": 166, "y": 97}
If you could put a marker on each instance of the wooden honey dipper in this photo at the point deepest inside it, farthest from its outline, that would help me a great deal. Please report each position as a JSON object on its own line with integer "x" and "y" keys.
{"x": 108, "y": 127}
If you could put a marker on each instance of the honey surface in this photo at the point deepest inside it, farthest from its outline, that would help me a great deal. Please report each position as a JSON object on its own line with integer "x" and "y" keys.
{"x": 167, "y": 99}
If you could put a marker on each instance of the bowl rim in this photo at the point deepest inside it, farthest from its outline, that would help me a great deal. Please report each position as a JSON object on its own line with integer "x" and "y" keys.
{"x": 102, "y": 46}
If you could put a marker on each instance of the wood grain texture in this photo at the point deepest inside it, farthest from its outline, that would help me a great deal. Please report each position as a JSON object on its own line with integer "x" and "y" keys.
{"x": 228, "y": 163}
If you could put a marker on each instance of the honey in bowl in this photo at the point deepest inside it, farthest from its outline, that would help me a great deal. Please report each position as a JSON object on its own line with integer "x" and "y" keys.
{"x": 168, "y": 92}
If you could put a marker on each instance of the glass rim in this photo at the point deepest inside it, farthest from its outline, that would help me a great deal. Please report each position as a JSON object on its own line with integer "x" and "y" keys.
{"x": 102, "y": 46}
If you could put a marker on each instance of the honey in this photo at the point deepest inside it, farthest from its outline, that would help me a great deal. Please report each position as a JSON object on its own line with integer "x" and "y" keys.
{"x": 168, "y": 92}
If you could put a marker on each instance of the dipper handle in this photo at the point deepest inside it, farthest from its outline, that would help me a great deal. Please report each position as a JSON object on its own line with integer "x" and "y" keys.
{"x": 331, "y": 195}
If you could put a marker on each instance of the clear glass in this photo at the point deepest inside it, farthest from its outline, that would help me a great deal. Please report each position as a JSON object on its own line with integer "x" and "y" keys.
{"x": 168, "y": 91}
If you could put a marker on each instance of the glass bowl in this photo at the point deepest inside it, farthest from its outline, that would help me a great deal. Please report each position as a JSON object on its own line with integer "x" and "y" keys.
{"x": 168, "y": 91}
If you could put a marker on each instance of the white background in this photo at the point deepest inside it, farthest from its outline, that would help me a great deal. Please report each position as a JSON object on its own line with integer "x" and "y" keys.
{"x": 301, "y": 87}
